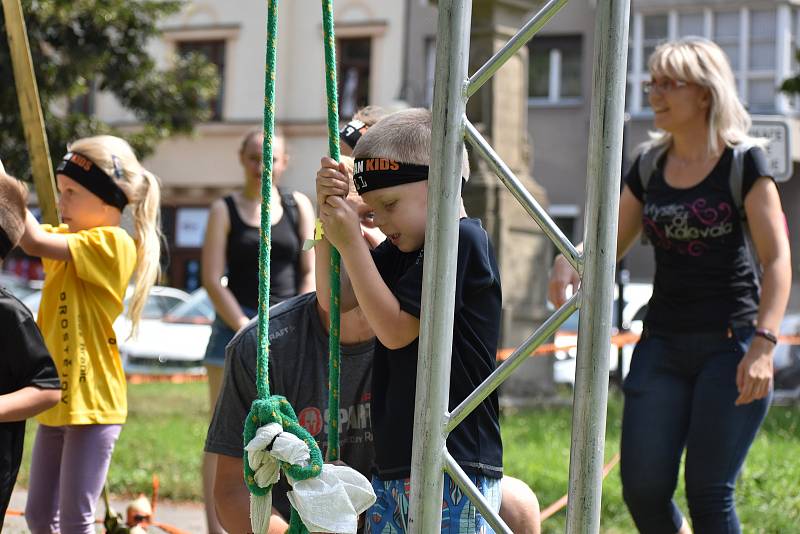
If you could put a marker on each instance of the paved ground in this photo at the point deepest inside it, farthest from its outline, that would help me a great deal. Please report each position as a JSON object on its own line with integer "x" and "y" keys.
{"x": 186, "y": 516}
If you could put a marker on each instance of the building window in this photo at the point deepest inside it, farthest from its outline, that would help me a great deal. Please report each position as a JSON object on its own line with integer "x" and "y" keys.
{"x": 760, "y": 76}
{"x": 554, "y": 73}
{"x": 755, "y": 41}
{"x": 353, "y": 55}
{"x": 566, "y": 218}
{"x": 214, "y": 51}
{"x": 726, "y": 35}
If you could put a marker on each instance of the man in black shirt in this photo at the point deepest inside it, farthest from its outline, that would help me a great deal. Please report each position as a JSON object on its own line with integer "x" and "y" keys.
{"x": 28, "y": 380}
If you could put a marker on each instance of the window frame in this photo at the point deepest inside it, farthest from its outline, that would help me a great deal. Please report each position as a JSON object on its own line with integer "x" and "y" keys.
{"x": 218, "y": 104}
{"x": 787, "y": 25}
{"x": 555, "y": 74}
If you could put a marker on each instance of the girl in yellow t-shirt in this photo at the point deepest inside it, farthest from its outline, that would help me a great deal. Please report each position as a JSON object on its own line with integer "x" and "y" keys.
{"x": 88, "y": 262}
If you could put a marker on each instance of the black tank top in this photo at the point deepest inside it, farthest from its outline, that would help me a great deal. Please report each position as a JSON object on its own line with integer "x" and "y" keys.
{"x": 241, "y": 255}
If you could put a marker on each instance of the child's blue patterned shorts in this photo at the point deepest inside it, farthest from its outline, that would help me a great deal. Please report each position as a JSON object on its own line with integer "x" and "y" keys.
{"x": 389, "y": 514}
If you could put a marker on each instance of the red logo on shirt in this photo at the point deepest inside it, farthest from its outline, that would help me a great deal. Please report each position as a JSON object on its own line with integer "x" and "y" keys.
{"x": 310, "y": 418}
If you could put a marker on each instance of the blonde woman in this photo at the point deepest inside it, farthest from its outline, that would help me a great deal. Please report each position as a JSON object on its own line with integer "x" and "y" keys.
{"x": 701, "y": 376}
{"x": 88, "y": 262}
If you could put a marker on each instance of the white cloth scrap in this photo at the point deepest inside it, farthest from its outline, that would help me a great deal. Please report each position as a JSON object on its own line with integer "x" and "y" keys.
{"x": 333, "y": 501}
{"x": 289, "y": 448}
{"x": 264, "y": 436}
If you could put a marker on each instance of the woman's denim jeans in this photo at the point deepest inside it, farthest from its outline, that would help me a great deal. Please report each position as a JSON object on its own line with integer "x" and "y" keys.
{"x": 680, "y": 393}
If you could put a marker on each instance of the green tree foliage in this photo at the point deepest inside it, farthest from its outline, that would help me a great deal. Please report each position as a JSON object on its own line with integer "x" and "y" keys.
{"x": 77, "y": 44}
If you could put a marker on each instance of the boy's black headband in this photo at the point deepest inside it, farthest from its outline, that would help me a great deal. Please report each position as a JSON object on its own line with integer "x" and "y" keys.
{"x": 352, "y": 132}
{"x": 85, "y": 172}
{"x": 376, "y": 173}
{"x": 5, "y": 244}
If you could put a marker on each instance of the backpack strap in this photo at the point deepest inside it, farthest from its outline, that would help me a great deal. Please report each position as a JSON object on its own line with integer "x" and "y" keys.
{"x": 292, "y": 211}
{"x": 736, "y": 177}
{"x": 648, "y": 162}
{"x": 736, "y": 183}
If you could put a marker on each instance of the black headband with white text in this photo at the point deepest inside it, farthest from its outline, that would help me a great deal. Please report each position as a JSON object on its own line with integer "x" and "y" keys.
{"x": 352, "y": 132}
{"x": 85, "y": 172}
{"x": 376, "y": 173}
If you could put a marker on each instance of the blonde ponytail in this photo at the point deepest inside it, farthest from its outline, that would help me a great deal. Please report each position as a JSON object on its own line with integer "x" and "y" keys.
{"x": 147, "y": 225}
{"x": 142, "y": 188}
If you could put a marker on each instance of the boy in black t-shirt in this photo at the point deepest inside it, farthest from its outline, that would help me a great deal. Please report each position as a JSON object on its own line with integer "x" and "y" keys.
{"x": 28, "y": 380}
{"x": 390, "y": 173}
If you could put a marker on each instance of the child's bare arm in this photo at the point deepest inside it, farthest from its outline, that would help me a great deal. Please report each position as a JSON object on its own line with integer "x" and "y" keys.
{"x": 27, "y": 402}
{"x": 331, "y": 182}
{"x": 37, "y": 242}
{"x": 394, "y": 327}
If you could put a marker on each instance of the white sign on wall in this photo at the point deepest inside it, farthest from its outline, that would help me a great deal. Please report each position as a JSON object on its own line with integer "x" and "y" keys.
{"x": 190, "y": 227}
{"x": 779, "y": 149}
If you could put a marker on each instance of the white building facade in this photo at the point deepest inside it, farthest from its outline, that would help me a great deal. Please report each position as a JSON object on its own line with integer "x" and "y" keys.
{"x": 232, "y": 34}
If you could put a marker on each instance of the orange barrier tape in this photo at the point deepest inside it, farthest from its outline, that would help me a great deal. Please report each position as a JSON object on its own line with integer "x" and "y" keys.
{"x": 177, "y": 378}
{"x": 626, "y": 338}
{"x": 562, "y": 502}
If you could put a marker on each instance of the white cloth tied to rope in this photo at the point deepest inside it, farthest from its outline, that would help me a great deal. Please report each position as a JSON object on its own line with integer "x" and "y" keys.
{"x": 330, "y": 502}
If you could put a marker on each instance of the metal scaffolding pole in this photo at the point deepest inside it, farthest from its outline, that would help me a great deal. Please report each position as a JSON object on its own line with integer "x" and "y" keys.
{"x": 439, "y": 267}
{"x": 594, "y": 328}
{"x": 451, "y": 90}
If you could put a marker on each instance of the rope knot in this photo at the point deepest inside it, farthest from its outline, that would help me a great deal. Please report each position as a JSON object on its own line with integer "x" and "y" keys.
{"x": 276, "y": 409}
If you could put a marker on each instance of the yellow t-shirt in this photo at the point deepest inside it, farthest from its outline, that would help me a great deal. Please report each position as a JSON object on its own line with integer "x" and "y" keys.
{"x": 81, "y": 298}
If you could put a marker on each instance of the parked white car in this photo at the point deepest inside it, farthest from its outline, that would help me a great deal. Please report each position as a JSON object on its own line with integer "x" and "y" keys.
{"x": 636, "y": 298}
{"x": 160, "y": 300}
{"x": 174, "y": 344}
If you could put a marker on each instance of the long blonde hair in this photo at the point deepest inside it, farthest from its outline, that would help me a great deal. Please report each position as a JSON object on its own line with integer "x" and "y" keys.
{"x": 702, "y": 62}
{"x": 117, "y": 159}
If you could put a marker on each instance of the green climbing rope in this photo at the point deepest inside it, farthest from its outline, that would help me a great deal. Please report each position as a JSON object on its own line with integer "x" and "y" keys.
{"x": 274, "y": 408}
{"x": 335, "y": 357}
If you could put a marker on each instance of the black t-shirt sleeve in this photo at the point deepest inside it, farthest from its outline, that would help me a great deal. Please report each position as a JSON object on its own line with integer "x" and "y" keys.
{"x": 409, "y": 289}
{"x": 405, "y": 283}
{"x": 755, "y": 166}
{"x": 33, "y": 365}
{"x": 474, "y": 271}
{"x": 384, "y": 256}
{"x": 634, "y": 181}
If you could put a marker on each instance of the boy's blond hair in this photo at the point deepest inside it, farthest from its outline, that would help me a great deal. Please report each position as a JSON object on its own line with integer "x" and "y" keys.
{"x": 13, "y": 196}
{"x": 370, "y": 115}
{"x": 403, "y": 136}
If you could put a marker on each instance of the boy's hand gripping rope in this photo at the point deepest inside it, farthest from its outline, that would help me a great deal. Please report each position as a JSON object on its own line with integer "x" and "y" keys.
{"x": 268, "y": 408}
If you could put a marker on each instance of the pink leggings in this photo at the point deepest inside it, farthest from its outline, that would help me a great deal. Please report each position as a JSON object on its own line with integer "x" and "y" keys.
{"x": 68, "y": 469}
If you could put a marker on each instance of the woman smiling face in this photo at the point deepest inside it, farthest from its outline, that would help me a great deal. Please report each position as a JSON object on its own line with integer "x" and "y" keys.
{"x": 677, "y": 105}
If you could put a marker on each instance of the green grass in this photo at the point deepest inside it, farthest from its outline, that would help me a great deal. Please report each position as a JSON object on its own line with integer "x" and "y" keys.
{"x": 537, "y": 451}
{"x": 167, "y": 423}
{"x": 164, "y": 435}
